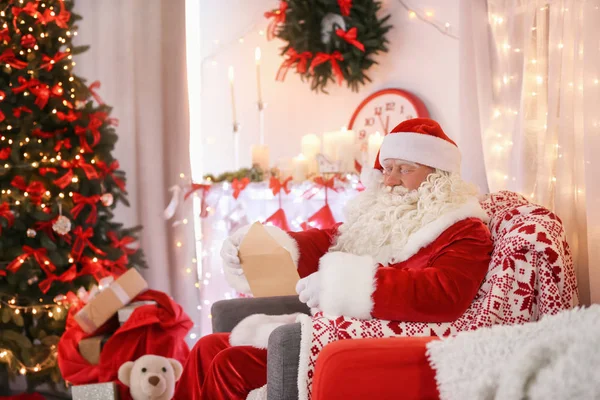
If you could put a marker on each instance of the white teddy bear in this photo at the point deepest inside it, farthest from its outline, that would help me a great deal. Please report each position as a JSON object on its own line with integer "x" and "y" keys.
{"x": 151, "y": 377}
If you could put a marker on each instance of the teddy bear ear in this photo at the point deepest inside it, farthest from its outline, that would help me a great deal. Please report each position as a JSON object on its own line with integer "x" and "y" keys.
{"x": 125, "y": 373}
{"x": 177, "y": 368}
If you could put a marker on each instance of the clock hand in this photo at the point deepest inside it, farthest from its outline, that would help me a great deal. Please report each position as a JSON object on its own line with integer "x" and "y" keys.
{"x": 383, "y": 126}
{"x": 387, "y": 124}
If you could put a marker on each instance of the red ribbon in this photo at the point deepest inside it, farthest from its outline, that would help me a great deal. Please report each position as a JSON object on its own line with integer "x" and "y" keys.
{"x": 108, "y": 170}
{"x": 28, "y": 41}
{"x": 195, "y": 187}
{"x": 96, "y": 121}
{"x": 8, "y": 57}
{"x": 61, "y": 19}
{"x": 293, "y": 57}
{"x": 66, "y": 179}
{"x": 95, "y": 85}
{"x": 277, "y": 17}
{"x": 66, "y": 143}
{"x": 44, "y": 171}
{"x": 7, "y": 215}
{"x": 69, "y": 116}
{"x": 4, "y": 35}
{"x": 66, "y": 276}
{"x": 2, "y": 116}
{"x": 49, "y": 62}
{"x": 334, "y": 57}
{"x": 46, "y": 135}
{"x": 38, "y": 89}
{"x": 350, "y": 37}
{"x": 5, "y": 153}
{"x": 91, "y": 267}
{"x": 82, "y": 238}
{"x": 81, "y": 202}
{"x": 321, "y": 183}
{"x": 238, "y": 186}
{"x": 276, "y": 185}
{"x": 20, "y": 110}
{"x": 35, "y": 190}
{"x": 345, "y": 6}
{"x": 40, "y": 255}
{"x": 30, "y": 8}
{"x": 122, "y": 243}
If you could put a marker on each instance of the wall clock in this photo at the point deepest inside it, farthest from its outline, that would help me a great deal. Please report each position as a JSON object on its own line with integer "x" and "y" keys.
{"x": 381, "y": 112}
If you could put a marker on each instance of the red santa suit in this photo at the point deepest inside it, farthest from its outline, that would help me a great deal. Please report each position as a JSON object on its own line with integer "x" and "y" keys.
{"x": 434, "y": 277}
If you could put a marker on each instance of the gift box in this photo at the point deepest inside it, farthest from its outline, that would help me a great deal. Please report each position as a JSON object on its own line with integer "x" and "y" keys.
{"x": 106, "y": 303}
{"x": 96, "y": 391}
{"x": 125, "y": 312}
{"x": 90, "y": 348}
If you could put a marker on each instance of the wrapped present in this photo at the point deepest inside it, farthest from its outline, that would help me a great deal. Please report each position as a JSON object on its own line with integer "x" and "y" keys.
{"x": 125, "y": 312}
{"x": 106, "y": 303}
{"x": 91, "y": 347}
{"x": 96, "y": 391}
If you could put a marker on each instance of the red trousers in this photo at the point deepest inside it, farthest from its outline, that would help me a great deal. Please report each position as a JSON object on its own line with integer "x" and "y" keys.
{"x": 215, "y": 370}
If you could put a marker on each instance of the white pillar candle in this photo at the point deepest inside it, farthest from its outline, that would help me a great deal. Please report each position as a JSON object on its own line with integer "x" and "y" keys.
{"x": 311, "y": 146}
{"x": 300, "y": 168}
{"x": 260, "y": 156}
{"x": 330, "y": 143}
{"x": 345, "y": 150}
{"x": 375, "y": 141}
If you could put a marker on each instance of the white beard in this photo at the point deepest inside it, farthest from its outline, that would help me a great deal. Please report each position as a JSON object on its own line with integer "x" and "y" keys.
{"x": 379, "y": 223}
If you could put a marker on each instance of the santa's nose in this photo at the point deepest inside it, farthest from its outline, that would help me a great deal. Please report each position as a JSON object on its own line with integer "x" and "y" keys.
{"x": 392, "y": 180}
{"x": 153, "y": 380}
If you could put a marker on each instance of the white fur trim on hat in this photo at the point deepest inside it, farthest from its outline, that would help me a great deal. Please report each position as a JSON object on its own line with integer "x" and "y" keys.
{"x": 370, "y": 177}
{"x": 347, "y": 283}
{"x": 421, "y": 148}
{"x": 255, "y": 330}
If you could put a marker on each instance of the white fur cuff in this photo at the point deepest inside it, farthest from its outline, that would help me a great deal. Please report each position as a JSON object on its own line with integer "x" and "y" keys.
{"x": 255, "y": 330}
{"x": 347, "y": 283}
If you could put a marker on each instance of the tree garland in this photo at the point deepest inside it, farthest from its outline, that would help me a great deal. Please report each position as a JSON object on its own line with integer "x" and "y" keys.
{"x": 329, "y": 39}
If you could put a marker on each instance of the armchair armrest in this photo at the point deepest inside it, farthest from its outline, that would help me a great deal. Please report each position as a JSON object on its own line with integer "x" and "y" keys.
{"x": 393, "y": 367}
{"x": 283, "y": 357}
{"x": 226, "y": 314}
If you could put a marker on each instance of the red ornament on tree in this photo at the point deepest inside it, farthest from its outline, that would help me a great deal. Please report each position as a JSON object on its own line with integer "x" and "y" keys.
{"x": 28, "y": 41}
{"x": 57, "y": 90}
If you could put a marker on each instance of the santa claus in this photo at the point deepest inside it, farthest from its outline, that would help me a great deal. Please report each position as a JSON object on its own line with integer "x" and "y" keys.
{"x": 414, "y": 247}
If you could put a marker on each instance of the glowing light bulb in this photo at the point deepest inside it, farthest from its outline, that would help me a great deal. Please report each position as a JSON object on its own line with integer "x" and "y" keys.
{"x": 412, "y": 14}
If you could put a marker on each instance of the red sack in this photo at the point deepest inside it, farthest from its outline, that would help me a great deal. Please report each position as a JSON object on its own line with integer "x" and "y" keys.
{"x": 158, "y": 330}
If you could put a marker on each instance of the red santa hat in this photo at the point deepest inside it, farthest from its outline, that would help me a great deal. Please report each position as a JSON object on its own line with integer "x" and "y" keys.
{"x": 419, "y": 140}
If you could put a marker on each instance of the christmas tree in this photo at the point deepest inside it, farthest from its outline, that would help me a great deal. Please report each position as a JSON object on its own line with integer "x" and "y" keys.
{"x": 59, "y": 184}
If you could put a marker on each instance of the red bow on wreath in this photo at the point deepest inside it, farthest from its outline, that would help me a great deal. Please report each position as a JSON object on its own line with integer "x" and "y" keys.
{"x": 239, "y": 186}
{"x": 277, "y": 17}
{"x": 350, "y": 37}
{"x": 334, "y": 57}
{"x": 345, "y": 6}
{"x": 301, "y": 60}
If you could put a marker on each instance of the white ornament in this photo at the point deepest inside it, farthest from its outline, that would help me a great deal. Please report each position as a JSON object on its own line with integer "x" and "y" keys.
{"x": 62, "y": 225}
{"x": 31, "y": 233}
{"x": 107, "y": 199}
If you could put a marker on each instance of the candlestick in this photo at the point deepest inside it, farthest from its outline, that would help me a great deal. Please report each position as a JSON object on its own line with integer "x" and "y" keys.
{"x": 345, "y": 150}
{"x": 300, "y": 168}
{"x": 257, "y": 56}
{"x": 311, "y": 146}
{"x": 375, "y": 141}
{"x": 260, "y": 156}
{"x": 233, "y": 111}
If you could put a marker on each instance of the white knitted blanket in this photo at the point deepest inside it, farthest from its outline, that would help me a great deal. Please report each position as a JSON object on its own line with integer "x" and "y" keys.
{"x": 557, "y": 357}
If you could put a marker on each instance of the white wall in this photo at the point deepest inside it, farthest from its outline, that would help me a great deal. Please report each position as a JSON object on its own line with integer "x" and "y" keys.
{"x": 420, "y": 60}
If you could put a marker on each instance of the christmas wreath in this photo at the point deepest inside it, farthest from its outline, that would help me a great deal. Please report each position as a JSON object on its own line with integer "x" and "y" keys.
{"x": 329, "y": 40}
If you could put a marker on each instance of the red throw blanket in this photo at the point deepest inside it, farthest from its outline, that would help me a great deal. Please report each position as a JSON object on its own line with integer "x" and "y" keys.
{"x": 157, "y": 330}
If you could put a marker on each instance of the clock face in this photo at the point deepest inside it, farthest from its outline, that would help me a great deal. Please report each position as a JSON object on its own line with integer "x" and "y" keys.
{"x": 382, "y": 111}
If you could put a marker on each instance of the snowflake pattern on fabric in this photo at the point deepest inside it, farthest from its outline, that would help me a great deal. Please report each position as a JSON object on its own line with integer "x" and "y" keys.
{"x": 531, "y": 275}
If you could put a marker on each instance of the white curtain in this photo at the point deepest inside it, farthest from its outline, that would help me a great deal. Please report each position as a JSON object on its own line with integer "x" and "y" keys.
{"x": 138, "y": 53}
{"x": 541, "y": 129}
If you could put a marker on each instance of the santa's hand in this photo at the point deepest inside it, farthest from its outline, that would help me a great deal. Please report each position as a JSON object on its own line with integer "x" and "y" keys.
{"x": 230, "y": 250}
{"x": 308, "y": 289}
